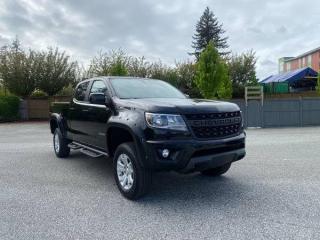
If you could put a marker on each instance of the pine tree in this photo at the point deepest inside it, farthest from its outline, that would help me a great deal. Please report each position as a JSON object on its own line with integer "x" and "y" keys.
{"x": 225, "y": 90}
{"x": 209, "y": 29}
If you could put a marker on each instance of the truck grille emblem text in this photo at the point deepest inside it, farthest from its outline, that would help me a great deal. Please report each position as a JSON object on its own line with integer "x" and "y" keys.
{"x": 214, "y": 122}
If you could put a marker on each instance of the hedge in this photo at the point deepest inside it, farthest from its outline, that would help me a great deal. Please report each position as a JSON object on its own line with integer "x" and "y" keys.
{"x": 9, "y": 108}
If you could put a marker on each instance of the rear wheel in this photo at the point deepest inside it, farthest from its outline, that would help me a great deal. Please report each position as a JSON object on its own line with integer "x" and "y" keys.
{"x": 217, "y": 171}
{"x": 60, "y": 144}
{"x": 132, "y": 179}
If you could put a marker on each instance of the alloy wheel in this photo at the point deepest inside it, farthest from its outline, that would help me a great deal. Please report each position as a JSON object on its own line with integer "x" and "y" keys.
{"x": 56, "y": 142}
{"x": 125, "y": 172}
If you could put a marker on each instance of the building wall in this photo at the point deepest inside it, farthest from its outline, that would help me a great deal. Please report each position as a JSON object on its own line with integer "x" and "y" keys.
{"x": 311, "y": 60}
{"x": 316, "y": 61}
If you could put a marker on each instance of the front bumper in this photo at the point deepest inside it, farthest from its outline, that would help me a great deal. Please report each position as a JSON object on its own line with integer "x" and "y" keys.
{"x": 194, "y": 155}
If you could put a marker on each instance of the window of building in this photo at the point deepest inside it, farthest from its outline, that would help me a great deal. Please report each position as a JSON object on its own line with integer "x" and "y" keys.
{"x": 288, "y": 66}
{"x": 309, "y": 60}
{"x": 303, "y": 62}
{"x": 281, "y": 67}
{"x": 300, "y": 63}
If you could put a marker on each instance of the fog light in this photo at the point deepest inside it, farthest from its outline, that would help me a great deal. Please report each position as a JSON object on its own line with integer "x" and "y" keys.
{"x": 165, "y": 153}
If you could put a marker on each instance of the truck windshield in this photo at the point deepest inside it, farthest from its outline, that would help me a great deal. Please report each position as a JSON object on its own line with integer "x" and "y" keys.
{"x": 126, "y": 88}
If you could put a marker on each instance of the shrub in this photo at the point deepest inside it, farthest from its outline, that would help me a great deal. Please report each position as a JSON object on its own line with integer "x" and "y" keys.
{"x": 66, "y": 91}
{"x": 9, "y": 108}
{"x": 39, "y": 94}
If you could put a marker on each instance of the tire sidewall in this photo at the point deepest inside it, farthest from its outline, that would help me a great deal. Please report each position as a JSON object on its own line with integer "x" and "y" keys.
{"x": 57, "y": 134}
{"x": 64, "y": 150}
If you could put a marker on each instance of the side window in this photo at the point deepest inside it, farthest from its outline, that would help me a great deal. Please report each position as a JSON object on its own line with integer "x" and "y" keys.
{"x": 98, "y": 87}
{"x": 81, "y": 91}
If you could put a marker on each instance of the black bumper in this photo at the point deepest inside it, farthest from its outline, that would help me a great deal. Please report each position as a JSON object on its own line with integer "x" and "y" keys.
{"x": 194, "y": 155}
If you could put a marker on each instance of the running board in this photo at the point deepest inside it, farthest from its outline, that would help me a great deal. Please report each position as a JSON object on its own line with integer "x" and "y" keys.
{"x": 90, "y": 153}
{"x": 87, "y": 150}
{"x": 73, "y": 146}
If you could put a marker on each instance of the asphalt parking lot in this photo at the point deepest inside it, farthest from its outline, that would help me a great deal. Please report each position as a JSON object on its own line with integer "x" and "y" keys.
{"x": 274, "y": 193}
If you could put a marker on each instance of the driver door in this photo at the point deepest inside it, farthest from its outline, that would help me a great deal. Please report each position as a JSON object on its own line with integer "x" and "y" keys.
{"x": 97, "y": 116}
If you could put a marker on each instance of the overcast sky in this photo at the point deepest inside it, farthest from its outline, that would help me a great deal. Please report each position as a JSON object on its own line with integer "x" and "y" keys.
{"x": 162, "y": 29}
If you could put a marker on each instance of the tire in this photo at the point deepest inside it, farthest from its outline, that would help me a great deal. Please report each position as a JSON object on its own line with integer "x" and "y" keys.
{"x": 132, "y": 179}
{"x": 60, "y": 144}
{"x": 214, "y": 172}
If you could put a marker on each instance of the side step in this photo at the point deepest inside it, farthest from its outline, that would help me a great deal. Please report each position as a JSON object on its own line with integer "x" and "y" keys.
{"x": 73, "y": 146}
{"x": 90, "y": 153}
{"x": 87, "y": 150}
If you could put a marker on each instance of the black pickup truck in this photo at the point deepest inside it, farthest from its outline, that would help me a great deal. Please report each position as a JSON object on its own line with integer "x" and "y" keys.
{"x": 147, "y": 125}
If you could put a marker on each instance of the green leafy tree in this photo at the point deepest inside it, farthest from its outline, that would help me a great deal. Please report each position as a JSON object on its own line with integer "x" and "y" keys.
{"x": 209, "y": 29}
{"x": 17, "y": 69}
{"x": 82, "y": 73}
{"x": 118, "y": 68}
{"x": 138, "y": 67}
{"x": 212, "y": 73}
{"x": 242, "y": 72}
{"x": 186, "y": 79}
{"x": 112, "y": 63}
{"x": 55, "y": 71}
{"x": 158, "y": 70}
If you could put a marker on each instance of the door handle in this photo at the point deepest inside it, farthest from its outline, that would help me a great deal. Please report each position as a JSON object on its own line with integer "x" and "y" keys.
{"x": 71, "y": 108}
{"x": 85, "y": 110}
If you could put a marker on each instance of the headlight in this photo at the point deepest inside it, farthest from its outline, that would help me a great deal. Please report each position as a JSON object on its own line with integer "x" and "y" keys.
{"x": 166, "y": 121}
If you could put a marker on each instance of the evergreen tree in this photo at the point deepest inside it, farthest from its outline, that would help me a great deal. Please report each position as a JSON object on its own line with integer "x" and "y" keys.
{"x": 212, "y": 74}
{"x": 209, "y": 29}
{"x": 225, "y": 90}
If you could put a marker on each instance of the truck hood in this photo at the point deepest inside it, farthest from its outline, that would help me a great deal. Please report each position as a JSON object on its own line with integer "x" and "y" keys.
{"x": 177, "y": 105}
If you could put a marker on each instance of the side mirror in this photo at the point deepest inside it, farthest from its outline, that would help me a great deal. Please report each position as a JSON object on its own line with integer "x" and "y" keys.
{"x": 187, "y": 96}
{"x": 97, "y": 98}
{"x": 108, "y": 100}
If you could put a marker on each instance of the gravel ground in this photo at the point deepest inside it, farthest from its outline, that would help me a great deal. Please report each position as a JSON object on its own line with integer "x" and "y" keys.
{"x": 274, "y": 193}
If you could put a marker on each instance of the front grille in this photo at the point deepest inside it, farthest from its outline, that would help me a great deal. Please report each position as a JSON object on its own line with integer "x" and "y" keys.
{"x": 215, "y": 125}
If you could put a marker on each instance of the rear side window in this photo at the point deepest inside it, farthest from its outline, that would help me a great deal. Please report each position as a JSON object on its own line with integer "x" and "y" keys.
{"x": 98, "y": 87}
{"x": 80, "y": 93}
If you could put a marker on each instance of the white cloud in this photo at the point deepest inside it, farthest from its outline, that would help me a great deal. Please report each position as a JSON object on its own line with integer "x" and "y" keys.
{"x": 162, "y": 29}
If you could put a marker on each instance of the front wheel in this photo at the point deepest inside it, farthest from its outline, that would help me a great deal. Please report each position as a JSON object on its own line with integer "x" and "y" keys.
{"x": 132, "y": 179}
{"x": 217, "y": 171}
{"x": 60, "y": 144}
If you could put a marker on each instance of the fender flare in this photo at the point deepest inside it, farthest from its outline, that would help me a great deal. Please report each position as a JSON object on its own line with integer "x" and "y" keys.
{"x": 136, "y": 140}
{"x": 57, "y": 119}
